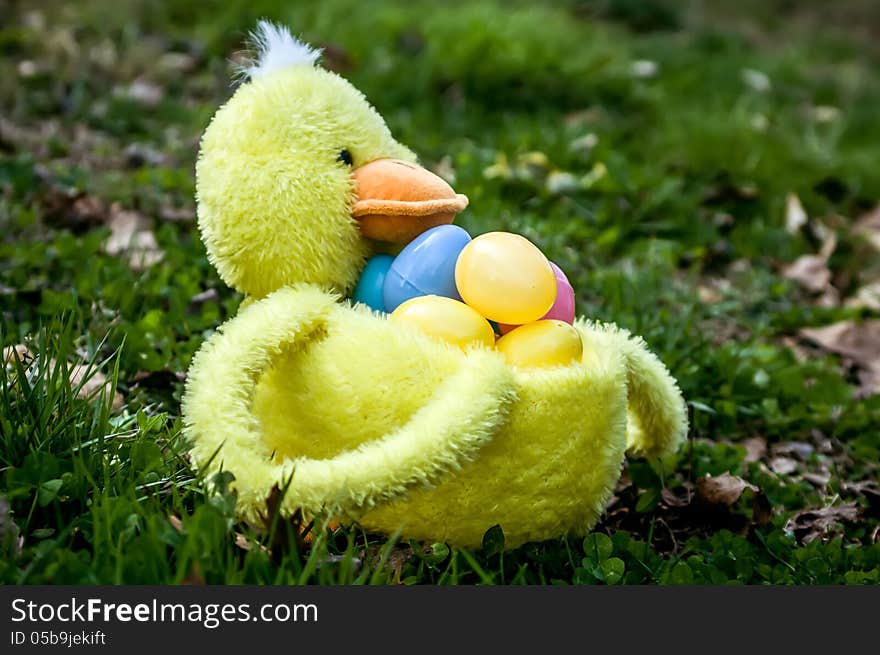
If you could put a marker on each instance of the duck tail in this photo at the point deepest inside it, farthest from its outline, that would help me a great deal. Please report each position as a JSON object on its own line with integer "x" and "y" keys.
{"x": 658, "y": 421}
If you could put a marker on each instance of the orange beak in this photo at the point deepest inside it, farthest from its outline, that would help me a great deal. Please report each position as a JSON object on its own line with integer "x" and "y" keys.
{"x": 398, "y": 200}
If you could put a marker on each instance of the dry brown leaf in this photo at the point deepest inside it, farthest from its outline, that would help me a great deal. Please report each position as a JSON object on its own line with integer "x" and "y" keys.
{"x": 831, "y": 337}
{"x": 828, "y": 237}
{"x": 96, "y": 382}
{"x": 800, "y": 353}
{"x": 246, "y": 544}
{"x": 713, "y": 289}
{"x": 176, "y": 214}
{"x": 89, "y": 209}
{"x": 708, "y": 295}
{"x": 810, "y": 271}
{"x": 77, "y": 373}
{"x": 77, "y": 211}
{"x": 123, "y": 226}
{"x": 756, "y": 448}
{"x": 818, "y": 479}
{"x": 724, "y": 489}
{"x": 130, "y": 234}
{"x": 869, "y": 490}
{"x": 25, "y": 356}
{"x": 867, "y": 296}
{"x": 671, "y": 499}
{"x": 800, "y": 449}
{"x": 862, "y": 485}
{"x": 10, "y": 534}
{"x": 176, "y": 523}
{"x": 795, "y": 216}
{"x": 783, "y": 465}
{"x": 857, "y": 342}
{"x": 177, "y": 62}
{"x": 144, "y": 92}
{"x": 812, "y": 524}
{"x": 204, "y": 296}
{"x": 869, "y": 382}
{"x": 829, "y": 299}
{"x": 582, "y": 117}
{"x": 868, "y": 226}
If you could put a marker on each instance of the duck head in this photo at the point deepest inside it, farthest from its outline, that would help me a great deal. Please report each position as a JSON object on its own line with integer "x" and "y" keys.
{"x": 298, "y": 176}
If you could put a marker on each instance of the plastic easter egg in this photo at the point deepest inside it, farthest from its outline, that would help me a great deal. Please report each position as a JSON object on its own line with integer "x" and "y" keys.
{"x": 542, "y": 343}
{"x": 506, "y": 278}
{"x": 370, "y": 284}
{"x": 426, "y": 266}
{"x": 563, "y": 307}
{"x": 446, "y": 319}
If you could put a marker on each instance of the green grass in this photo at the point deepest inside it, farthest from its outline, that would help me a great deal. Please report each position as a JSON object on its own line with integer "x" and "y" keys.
{"x": 644, "y": 188}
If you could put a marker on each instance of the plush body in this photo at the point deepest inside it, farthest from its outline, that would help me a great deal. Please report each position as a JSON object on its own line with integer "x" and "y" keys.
{"x": 364, "y": 419}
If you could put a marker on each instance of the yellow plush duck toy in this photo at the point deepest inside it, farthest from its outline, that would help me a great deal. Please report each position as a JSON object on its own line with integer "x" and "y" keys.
{"x": 358, "y": 417}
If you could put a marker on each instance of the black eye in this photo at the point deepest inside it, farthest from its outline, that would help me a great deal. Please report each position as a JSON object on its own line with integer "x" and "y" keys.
{"x": 345, "y": 156}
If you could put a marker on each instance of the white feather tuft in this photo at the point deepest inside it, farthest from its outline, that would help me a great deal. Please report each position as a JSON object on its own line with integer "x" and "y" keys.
{"x": 275, "y": 48}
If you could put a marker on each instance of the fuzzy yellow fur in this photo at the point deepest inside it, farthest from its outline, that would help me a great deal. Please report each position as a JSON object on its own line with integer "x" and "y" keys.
{"x": 274, "y": 202}
{"x": 370, "y": 420}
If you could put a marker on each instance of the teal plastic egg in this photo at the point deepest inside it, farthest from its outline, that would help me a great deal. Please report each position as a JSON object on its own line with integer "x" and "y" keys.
{"x": 368, "y": 290}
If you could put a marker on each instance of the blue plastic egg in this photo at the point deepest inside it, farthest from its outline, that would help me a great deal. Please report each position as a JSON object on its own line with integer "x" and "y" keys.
{"x": 426, "y": 267}
{"x": 368, "y": 290}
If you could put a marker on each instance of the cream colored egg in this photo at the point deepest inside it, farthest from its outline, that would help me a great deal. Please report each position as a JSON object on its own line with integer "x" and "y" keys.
{"x": 542, "y": 343}
{"x": 506, "y": 278}
{"x": 447, "y": 319}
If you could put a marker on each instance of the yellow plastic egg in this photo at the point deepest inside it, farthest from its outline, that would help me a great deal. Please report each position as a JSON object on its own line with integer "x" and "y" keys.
{"x": 446, "y": 319}
{"x": 542, "y": 343}
{"x": 506, "y": 278}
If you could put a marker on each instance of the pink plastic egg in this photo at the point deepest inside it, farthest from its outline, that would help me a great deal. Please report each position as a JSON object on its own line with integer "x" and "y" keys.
{"x": 563, "y": 308}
